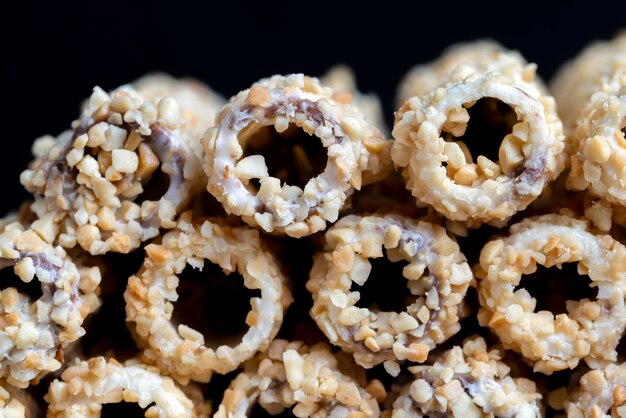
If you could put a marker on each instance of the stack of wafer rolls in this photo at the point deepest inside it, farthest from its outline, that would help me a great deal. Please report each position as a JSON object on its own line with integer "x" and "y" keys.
{"x": 295, "y": 250}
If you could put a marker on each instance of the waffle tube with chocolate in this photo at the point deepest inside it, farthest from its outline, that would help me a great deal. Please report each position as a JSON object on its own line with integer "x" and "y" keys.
{"x": 88, "y": 385}
{"x": 37, "y": 327}
{"x": 590, "y": 330}
{"x": 600, "y": 152}
{"x": 182, "y": 351}
{"x": 580, "y": 78}
{"x": 470, "y": 381}
{"x": 306, "y": 380}
{"x": 437, "y": 278}
{"x": 435, "y": 156}
{"x": 339, "y": 152}
{"x": 601, "y": 393}
{"x": 126, "y": 169}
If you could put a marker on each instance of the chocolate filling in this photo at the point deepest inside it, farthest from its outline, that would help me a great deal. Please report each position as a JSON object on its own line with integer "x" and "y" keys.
{"x": 258, "y": 411}
{"x": 214, "y": 304}
{"x": 490, "y": 121}
{"x": 9, "y": 279}
{"x": 553, "y": 287}
{"x": 122, "y": 409}
{"x": 385, "y": 288}
{"x": 154, "y": 187}
{"x": 293, "y": 156}
{"x": 34, "y": 289}
{"x": 159, "y": 183}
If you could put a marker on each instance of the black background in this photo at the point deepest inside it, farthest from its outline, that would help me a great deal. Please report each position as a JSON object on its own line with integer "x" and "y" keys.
{"x": 53, "y": 55}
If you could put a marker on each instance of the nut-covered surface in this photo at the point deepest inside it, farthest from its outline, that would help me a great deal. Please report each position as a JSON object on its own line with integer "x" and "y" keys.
{"x": 181, "y": 350}
{"x": 468, "y": 381}
{"x": 89, "y": 182}
{"x": 304, "y": 379}
{"x": 357, "y": 154}
{"x": 437, "y": 275}
{"x": 88, "y": 385}
{"x": 36, "y": 330}
{"x": 580, "y": 78}
{"x": 599, "y": 156}
{"x": 590, "y": 330}
{"x": 601, "y": 393}
{"x": 438, "y": 166}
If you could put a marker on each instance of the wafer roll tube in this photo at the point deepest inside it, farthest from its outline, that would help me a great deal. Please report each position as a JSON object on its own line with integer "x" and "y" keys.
{"x": 437, "y": 278}
{"x": 85, "y": 387}
{"x": 600, "y": 141}
{"x": 43, "y": 310}
{"x": 292, "y": 375}
{"x": 590, "y": 330}
{"x": 577, "y": 80}
{"x": 182, "y": 351}
{"x": 600, "y": 393}
{"x": 262, "y": 170}
{"x": 468, "y": 381}
{"x": 127, "y": 168}
{"x": 434, "y": 139}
